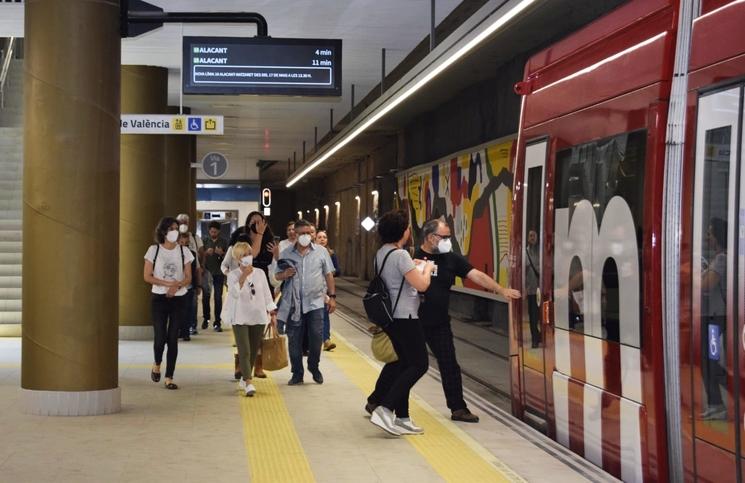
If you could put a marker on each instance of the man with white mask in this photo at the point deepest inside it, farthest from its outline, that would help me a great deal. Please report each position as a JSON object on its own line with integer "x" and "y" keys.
{"x": 195, "y": 244}
{"x": 309, "y": 273}
{"x": 433, "y": 311}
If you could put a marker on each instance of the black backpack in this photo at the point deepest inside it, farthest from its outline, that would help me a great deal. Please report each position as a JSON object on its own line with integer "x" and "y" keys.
{"x": 377, "y": 300}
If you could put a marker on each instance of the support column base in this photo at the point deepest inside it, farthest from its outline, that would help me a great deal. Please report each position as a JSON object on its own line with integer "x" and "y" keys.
{"x": 71, "y": 403}
{"x": 136, "y": 332}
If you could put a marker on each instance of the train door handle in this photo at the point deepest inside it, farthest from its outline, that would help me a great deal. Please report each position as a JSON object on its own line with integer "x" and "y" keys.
{"x": 546, "y": 312}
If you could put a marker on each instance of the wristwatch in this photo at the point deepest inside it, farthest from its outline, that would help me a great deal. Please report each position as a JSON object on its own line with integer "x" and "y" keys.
{"x": 331, "y": 295}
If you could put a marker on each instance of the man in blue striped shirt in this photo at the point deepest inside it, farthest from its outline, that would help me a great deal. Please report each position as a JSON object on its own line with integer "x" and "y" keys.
{"x": 308, "y": 272}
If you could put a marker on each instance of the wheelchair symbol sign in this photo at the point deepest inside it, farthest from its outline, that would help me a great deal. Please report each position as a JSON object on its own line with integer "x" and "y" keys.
{"x": 714, "y": 343}
{"x": 195, "y": 124}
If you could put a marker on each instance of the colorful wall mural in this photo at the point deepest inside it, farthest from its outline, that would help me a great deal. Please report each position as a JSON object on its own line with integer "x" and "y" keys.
{"x": 474, "y": 193}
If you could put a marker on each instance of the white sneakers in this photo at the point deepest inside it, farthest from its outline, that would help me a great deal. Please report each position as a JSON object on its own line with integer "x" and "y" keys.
{"x": 383, "y": 418}
{"x": 407, "y": 426}
{"x": 248, "y": 389}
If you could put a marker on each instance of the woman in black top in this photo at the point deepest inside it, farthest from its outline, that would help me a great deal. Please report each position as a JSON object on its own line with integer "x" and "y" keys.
{"x": 261, "y": 240}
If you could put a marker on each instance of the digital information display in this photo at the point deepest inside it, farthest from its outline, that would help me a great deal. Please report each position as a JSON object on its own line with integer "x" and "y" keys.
{"x": 262, "y": 65}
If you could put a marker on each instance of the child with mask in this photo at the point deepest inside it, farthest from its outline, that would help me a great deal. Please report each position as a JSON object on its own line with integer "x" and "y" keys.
{"x": 248, "y": 308}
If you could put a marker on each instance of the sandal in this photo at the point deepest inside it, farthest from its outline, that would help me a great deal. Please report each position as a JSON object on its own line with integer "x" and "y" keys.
{"x": 171, "y": 386}
{"x": 260, "y": 375}
{"x": 154, "y": 376}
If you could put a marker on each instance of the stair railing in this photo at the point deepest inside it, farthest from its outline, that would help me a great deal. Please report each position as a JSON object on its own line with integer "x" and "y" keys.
{"x": 5, "y": 66}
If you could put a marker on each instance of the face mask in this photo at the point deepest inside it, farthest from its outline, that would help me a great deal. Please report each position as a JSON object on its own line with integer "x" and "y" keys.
{"x": 445, "y": 245}
{"x": 247, "y": 260}
{"x": 183, "y": 228}
{"x": 304, "y": 240}
{"x": 172, "y": 236}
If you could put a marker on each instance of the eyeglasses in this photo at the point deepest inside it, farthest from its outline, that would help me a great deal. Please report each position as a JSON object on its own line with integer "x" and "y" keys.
{"x": 253, "y": 289}
{"x": 443, "y": 237}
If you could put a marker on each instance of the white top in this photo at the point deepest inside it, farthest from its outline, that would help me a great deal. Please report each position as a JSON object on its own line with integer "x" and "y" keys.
{"x": 168, "y": 266}
{"x": 244, "y": 307}
{"x": 284, "y": 244}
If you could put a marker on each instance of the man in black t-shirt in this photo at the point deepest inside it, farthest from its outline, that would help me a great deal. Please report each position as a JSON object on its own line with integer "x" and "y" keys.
{"x": 433, "y": 311}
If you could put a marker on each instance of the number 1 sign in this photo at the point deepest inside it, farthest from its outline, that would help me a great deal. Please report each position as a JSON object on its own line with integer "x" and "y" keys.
{"x": 214, "y": 165}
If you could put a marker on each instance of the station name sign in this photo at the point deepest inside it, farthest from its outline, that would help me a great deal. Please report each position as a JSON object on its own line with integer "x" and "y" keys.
{"x": 262, "y": 65}
{"x": 171, "y": 124}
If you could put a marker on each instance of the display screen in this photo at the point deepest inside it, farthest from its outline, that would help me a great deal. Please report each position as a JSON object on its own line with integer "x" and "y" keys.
{"x": 262, "y": 65}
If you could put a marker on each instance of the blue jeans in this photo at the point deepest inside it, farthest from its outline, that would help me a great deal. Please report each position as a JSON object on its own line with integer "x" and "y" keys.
{"x": 313, "y": 321}
{"x": 326, "y": 324}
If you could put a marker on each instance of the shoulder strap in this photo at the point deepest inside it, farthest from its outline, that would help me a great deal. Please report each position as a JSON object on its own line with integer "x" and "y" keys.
{"x": 157, "y": 249}
{"x": 385, "y": 259}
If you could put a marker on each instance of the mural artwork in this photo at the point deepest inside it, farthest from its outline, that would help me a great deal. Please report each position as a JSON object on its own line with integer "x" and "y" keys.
{"x": 474, "y": 193}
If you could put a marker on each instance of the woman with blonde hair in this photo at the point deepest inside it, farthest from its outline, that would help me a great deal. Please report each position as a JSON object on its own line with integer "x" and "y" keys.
{"x": 248, "y": 308}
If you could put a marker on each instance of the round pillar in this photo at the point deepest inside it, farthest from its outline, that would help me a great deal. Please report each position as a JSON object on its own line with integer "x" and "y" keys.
{"x": 144, "y": 91}
{"x": 178, "y": 158}
{"x": 71, "y": 207}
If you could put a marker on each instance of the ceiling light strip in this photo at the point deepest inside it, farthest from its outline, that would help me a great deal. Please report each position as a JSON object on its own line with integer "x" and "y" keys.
{"x": 408, "y": 92}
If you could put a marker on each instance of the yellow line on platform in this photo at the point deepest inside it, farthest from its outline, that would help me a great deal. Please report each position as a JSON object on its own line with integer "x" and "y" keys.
{"x": 451, "y": 452}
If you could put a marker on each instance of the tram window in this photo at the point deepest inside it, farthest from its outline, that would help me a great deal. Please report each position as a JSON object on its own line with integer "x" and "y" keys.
{"x": 607, "y": 256}
{"x": 714, "y": 261}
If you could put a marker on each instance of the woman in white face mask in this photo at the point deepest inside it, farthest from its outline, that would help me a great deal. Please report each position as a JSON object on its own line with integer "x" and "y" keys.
{"x": 168, "y": 270}
{"x": 248, "y": 308}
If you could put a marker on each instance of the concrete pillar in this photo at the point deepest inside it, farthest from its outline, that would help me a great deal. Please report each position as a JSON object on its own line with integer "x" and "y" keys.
{"x": 144, "y": 91}
{"x": 178, "y": 156}
{"x": 71, "y": 207}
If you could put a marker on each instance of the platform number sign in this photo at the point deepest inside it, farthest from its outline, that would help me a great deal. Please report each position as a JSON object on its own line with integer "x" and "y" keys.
{"x": 266, "y": 201}
{"x": 214, "y": 165}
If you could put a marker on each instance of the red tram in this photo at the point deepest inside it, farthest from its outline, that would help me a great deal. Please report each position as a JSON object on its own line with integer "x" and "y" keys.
{"x": 587, "y": 342}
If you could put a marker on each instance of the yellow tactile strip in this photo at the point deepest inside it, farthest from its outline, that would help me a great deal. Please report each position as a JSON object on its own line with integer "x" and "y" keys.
{"x": 452, "y": 453}
{"x": 272, "y": 445}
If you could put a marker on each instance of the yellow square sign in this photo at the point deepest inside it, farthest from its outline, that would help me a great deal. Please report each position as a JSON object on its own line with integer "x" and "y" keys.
{"x": 179, "y": 124}
{"x": 210, "y": 124}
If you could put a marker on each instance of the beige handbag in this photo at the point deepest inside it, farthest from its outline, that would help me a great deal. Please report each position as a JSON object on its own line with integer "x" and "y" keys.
{"x": 273, "y": 349}
{"x": 382, "y": 348}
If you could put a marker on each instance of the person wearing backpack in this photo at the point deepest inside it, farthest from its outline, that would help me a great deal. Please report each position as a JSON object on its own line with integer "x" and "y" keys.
{"x": 168, "y": 270}
{"x": 403, "y": 278}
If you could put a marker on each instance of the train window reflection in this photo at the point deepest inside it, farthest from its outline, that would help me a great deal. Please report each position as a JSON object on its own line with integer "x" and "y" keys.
{"x": 714, "y": 262}
{"x": 598, "y": 198}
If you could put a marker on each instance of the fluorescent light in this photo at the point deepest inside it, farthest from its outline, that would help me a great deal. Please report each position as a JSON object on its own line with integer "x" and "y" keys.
{"x": 357, "y": 198}
{"x": 326, "y": 207}
{"x": 374, "y": 192}
{"x": 402, "y": 96}
{"x": 337, "y": 203}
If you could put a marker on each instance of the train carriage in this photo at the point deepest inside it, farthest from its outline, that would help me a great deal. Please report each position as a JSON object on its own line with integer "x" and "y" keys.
{"x": 587, "y": 341}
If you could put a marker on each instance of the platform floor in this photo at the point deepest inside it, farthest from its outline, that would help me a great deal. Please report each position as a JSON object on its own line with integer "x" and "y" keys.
{"x": 207, "y": 431}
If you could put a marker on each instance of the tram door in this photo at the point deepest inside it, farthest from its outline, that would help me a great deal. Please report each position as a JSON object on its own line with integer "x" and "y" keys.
{"x": 717, "y": 281}
{"x": 532, "y": 336}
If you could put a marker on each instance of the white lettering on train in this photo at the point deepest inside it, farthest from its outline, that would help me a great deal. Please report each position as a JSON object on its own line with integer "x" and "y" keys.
{"x": 615, "y": 239}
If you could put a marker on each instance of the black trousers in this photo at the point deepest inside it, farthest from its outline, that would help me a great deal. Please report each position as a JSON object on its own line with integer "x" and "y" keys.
{"x": 168, "y": 316}
{"x": 218, "y": 282}
{"x": 397, "y": 378}
{"x": 439, "y": 338}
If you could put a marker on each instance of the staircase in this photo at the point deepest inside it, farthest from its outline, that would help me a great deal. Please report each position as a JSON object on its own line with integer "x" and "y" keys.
{"x": 11, "y": 198}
